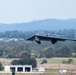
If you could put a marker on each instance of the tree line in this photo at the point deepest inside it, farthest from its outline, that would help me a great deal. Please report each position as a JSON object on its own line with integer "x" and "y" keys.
{"x": 70, "y": 33}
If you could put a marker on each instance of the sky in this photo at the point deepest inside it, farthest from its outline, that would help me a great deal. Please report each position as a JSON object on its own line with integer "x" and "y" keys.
{"x": 18, "y": 11}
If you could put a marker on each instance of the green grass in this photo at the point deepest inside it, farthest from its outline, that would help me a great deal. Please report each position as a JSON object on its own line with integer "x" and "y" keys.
{"x": 39, "y": 61}
{"x": 55, "y": 60}
{"x": 50, "y": 61}
{"x": 51, "y": 70}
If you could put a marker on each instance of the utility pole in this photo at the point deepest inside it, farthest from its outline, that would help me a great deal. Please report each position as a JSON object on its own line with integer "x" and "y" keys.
{"x": 13, "y": 72}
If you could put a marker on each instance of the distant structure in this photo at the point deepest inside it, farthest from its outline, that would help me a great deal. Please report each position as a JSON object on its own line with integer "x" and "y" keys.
{"x": 18, "y": 68}
{"x": 41, "y": 69}
{"x": 63, "y": 71}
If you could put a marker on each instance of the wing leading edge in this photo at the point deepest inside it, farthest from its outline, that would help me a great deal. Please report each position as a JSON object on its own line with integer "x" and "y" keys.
{"x": 38, "y": 38}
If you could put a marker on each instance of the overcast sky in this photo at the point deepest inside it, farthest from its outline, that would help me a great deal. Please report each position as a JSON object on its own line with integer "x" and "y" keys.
{"x": 17, "y": 11}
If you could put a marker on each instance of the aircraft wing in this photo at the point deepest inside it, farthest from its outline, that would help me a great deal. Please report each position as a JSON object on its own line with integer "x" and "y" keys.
{"x": 53, "y": 40}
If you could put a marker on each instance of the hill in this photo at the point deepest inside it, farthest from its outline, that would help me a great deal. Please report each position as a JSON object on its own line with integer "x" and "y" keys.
{"x": 47, "y": 24}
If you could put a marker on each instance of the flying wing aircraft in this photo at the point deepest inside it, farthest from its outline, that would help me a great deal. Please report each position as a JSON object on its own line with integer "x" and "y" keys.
{"x": 38, "y": 38}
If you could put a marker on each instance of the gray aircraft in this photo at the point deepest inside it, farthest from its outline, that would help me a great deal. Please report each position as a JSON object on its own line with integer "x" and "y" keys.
{"x": 39, "y": 38}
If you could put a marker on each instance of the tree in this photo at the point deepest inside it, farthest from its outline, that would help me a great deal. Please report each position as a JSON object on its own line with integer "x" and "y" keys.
{"x": 15, "y": 62}
{"x": 25, "y": 59}
{"x": 1, "y": 66}
{"x": 1, "y": 52}
{"x": 48, "y": 53}
{"x": 24, "y": 55}
{"x": 64, "y": 52}
{"x": 33, "y": 62}
{"x": 44, "y": 61}
{"x": 69, "y": 61}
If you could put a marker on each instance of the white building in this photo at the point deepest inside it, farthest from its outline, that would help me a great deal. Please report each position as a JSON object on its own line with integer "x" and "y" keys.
{"x": 41, "y": 69}
{"x": 18, "y": 68}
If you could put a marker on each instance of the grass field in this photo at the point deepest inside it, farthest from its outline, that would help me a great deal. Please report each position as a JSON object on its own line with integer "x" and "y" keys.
{"x": 52, "y": 70}
{"x": 56, "y": 60}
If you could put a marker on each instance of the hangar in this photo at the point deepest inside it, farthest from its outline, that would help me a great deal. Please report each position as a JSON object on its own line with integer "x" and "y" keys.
{"x": 18, "y": 68}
